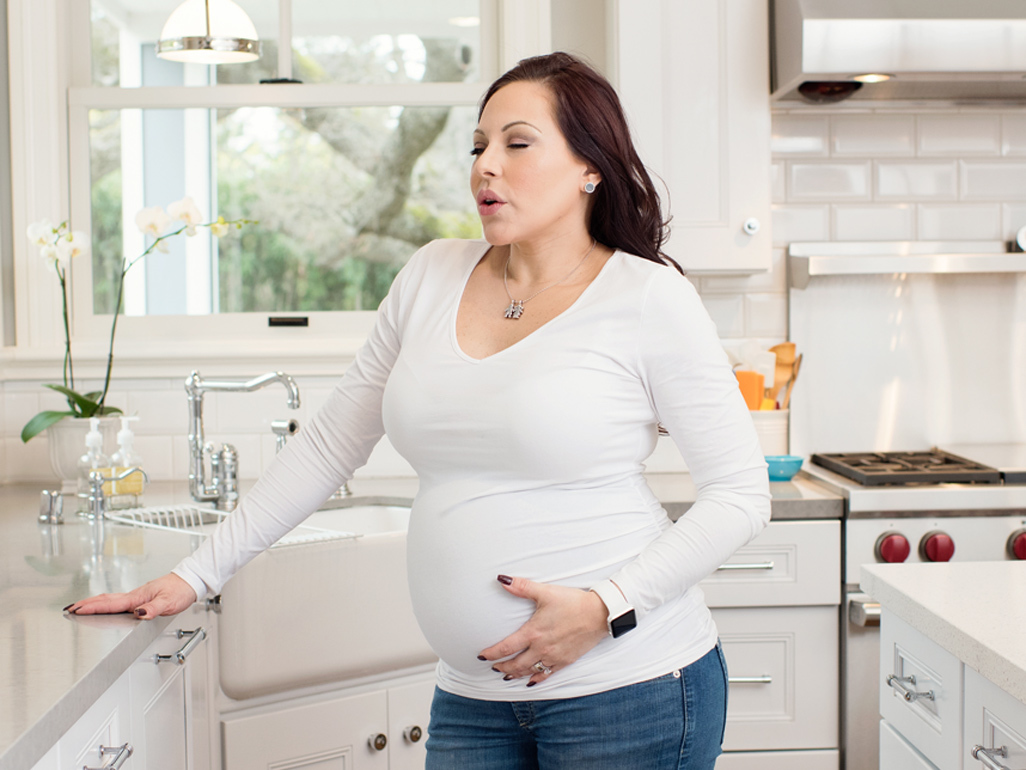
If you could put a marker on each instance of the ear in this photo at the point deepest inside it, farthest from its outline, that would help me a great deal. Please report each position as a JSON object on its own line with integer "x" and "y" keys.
{"x": 590, "y": 179}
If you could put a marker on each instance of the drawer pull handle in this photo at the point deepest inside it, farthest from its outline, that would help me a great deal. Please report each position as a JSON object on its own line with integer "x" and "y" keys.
{"x": 750, "y": 679}
{"x": 123, "y": 752}
{"x": 194, "y": 637}
{"x": 910, "y": 695}
{"x": 762, "y": 565}
{"x": 986, "y": 757}
{"x": 864, "y": 613}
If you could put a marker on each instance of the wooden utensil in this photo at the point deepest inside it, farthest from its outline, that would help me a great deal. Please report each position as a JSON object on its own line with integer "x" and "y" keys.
{"x": 785, "y": 364}
{"x": 790, "y": 383}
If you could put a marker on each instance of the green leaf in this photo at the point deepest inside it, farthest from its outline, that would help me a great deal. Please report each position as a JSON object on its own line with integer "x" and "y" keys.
{"x": 86, "y": 405}
{"x": 105, "y": 410}
{"x": 41, "y": 422}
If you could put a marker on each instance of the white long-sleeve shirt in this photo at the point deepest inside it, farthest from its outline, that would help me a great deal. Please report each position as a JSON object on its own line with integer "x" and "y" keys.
{"x": 530, "y": 464}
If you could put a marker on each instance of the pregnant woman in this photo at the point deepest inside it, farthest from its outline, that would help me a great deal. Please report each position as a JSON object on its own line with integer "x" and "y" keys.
{"x": 524, "y": 376}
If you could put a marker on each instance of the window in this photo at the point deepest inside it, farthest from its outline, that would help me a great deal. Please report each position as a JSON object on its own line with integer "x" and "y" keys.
{"x": 347, "y": 173}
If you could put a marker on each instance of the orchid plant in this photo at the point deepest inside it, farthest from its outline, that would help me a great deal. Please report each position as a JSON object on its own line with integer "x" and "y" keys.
{"x": 59, "y": 244}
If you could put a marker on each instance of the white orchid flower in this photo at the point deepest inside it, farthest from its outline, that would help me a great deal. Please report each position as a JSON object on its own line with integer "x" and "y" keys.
{"x": 152, "y": 221}
{"x": 185, "y": 211}
{"x": 162, "y": 247}
{"x": 71, "y": 245}
{"x": 41, "y": 232}
{"x": 49, "y": 253}
{"x": 219, "y": 228}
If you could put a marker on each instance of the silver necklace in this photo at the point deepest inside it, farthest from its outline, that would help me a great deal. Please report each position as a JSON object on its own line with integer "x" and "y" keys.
{"x": 515, "y": 309}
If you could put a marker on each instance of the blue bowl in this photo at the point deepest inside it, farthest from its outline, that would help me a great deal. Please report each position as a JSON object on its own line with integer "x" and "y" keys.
{"x": 783, "y": 467}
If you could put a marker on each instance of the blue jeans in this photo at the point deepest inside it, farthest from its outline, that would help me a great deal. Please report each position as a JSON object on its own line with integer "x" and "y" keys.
{"x": 673, "y": 721}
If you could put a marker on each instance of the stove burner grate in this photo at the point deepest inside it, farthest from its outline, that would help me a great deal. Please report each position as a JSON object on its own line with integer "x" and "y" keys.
{"x": 906, "y": 468}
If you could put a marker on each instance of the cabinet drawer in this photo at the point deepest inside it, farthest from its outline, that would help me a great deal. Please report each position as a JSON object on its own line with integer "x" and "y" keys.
{"x": 779, "y": 760}
{"x": 784, "y": 672}
{"x": 106, "y": 723}
{"x": 932, "y": 721}
{"x": 993, "y": 719}
{"x": 897, "y": 754}
{"x": 790, "y": 563}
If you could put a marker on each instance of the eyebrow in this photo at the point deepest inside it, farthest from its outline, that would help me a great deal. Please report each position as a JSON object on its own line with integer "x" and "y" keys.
{"x": 510, "y": 125}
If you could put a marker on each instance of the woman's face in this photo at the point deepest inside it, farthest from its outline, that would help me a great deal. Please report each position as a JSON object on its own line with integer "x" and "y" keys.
{"x": 527, "y": 183}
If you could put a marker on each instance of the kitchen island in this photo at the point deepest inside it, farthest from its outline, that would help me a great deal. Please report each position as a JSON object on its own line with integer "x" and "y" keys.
{"x": 952, "y": 663}
{"x": 56, "y": 665}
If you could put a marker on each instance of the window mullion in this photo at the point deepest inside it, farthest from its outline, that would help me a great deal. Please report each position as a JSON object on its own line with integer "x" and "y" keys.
{"x": 285, "y": 39}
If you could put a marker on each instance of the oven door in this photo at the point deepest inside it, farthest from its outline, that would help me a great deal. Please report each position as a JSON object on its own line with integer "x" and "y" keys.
{"x": 860, "y": 686}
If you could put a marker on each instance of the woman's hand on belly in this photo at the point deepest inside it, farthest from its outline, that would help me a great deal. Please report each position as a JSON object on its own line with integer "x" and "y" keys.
{"x": 566, "y": 623}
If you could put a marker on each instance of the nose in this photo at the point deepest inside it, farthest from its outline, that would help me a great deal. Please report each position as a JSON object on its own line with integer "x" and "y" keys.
{"x": 486, "y": 164}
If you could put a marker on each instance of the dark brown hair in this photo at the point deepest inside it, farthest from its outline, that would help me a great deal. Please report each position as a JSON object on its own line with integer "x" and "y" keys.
{"x": 625, "y": 213}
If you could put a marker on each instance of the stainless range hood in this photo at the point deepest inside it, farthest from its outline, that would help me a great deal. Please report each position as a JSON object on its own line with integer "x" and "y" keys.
{"x": 951, "y": 50}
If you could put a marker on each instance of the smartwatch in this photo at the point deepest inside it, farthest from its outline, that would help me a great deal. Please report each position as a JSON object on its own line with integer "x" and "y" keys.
{"x": 621, "y": 617}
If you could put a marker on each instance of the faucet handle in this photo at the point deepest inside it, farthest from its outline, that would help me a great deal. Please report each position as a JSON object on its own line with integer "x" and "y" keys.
{"x": 51, "y": 507}
{"x": 282, "y": 429}
{"x": 97, "y": 499}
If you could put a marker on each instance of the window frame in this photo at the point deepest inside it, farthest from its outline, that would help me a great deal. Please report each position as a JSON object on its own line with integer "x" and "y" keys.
{"x": 51, "y": 96}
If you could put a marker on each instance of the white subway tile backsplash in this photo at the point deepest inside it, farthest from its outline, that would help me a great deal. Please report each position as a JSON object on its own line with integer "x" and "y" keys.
{"x": 916, "y": 180}
{"x": 959, "y": 135}
{"x": 795, "y": 135}
{"x": 727, "y": 312}
{"x": 825, "y": 180}
{"x": 765, "y": 315}
{"x": 1013, "y": 134}
{"x": 995, "y": 180}
{"x": 27, "y": 462}
{"x": 160, "y": 412}
{"x": 872, "y": 135}
{"x": 800, "y": 223}
{"x": 778, "y": 186}
{"x": 1013, "y": 217}
{"x": 157, "y": 454}
{"x": 959, "y": 222}
{"x": 20, "y": 407}
{"x": 870, "y": 222}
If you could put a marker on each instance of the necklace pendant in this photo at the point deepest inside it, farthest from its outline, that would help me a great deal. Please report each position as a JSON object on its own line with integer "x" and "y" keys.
{"x": 515, "y": 309}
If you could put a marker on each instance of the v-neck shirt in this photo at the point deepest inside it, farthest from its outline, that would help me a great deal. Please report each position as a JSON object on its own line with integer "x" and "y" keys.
{"x": 530, "y": 464}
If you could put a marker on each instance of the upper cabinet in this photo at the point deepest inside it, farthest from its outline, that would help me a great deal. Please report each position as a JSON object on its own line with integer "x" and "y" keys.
{"x": 694, "y": 79}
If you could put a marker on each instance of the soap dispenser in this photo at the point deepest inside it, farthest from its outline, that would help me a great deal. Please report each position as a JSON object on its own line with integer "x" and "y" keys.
{"x": 126, "y": 493}
{"x": 93, "y": 460}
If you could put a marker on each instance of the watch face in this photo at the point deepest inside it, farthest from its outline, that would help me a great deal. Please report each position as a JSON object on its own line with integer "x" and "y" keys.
{"x": 621, "y": 625}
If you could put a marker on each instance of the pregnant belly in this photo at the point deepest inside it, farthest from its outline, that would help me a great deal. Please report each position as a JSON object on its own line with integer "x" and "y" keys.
{"x": 454, "y": 557}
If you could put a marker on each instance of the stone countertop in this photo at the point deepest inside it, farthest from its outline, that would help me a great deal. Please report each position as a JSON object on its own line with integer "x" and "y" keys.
{"x": 56, "y": 666}
{"x": 974, "y": 610}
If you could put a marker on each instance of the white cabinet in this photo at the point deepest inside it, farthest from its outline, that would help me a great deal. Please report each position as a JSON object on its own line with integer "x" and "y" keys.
{"x": 948, "y": 712}
{"x": 775, "y": 603}
{"x": 694, "y": 79}
{"x": 357, "y": 729}
{"x": 156, "y": 715}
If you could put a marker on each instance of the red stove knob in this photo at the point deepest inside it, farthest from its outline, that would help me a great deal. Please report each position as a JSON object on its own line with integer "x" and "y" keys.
{"x": 892, "y": 547}
{"x": 1017, "y": 544}
{"x": 936, "y": 546}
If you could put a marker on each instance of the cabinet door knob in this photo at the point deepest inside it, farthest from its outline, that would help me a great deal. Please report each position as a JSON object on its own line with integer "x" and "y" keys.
{"x": 123, "y": 752}
{"x": 195, "y": 637}
{"x": 986, "y": 757}
{"x": 413, "y": 733}
{"x": 378, "y": 742}
{"x": 751, "y": 226}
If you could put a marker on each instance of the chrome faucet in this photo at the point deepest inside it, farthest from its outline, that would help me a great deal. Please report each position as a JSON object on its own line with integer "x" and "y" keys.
{"x": 223, "y": 489}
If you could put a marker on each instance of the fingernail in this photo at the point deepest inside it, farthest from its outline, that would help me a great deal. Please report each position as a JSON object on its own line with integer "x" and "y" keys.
{"x": 481, "y": 657}
{"x": 496, "y": 670}
{"x": 68, "y": 607}
{"x": 531, "y": 684}
{"x": 506, "y": 580}
{"x": 508, "y": 677}
{"x": 141, "y": 613}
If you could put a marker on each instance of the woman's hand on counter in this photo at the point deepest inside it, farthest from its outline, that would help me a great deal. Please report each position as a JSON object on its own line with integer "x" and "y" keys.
{"x": 566, "y": 623}
{"x": 167, "y": 595}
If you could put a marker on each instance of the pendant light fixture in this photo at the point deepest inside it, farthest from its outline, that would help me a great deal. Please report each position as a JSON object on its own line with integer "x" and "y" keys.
{"x": 209, "y": 32}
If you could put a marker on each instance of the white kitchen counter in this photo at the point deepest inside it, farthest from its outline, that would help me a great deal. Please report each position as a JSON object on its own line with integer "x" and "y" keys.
{"x": 974, "y": 610}
{"x": 55, "y": 666}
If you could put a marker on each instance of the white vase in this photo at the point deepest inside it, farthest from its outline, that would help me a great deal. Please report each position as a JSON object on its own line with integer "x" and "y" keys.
{"x": 67, "y": 444}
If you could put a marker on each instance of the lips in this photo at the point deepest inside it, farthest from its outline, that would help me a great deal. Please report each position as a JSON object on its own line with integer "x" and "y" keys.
{"x": 488, "y": 202}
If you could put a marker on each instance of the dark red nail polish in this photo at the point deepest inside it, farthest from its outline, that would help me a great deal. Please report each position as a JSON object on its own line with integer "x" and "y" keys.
{"x": 496, "y": 670}
{"x": 140, "y": 612}
{"x": 506, "y": 580}
{"x": 65, "y": 609}
{"x": 508, "y": 677}
{"x": 481, "y": 657}
{"x": 531, "y": 684}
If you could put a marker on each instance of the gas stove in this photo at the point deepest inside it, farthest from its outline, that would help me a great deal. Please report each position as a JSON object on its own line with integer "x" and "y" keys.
{"x": 906, "y": 468}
